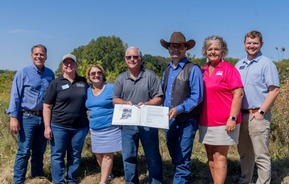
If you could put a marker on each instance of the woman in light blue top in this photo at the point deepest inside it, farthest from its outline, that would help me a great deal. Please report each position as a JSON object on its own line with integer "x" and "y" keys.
{"x": 105, "y": 138}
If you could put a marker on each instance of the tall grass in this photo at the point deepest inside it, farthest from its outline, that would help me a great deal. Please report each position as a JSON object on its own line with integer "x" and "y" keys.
{"x": 89, "y": 170}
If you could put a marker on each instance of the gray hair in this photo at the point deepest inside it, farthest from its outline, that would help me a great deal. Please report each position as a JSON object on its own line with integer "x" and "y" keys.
{"x": 130, "y": 48}
{"x": 210, "y": 40}
{"x": 40, "y": 46}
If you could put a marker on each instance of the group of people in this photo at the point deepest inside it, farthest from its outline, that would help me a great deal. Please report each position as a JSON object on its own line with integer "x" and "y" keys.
{"x": 43, "y": 108}
{"x": 228, "y": 104}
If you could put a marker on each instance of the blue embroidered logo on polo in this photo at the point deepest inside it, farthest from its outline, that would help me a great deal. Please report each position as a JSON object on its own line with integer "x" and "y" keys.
{"x": 241, "y": 67}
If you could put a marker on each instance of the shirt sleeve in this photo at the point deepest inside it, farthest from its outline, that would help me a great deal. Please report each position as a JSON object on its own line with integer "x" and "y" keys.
{"x": 271, "y": 75}
{"x": 118, "y": 88}
{"x": 16, "y": 94}
{"x": 233, "y": 78}
{"x": 51, "y": 93}
{"x": 197, "y": 89}
{"x": 156, "y": 87}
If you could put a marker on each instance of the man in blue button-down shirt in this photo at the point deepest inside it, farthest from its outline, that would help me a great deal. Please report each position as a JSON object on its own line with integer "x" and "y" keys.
{"x": 25, "y": 111}
{"x": 261, "y": 87}
{"x": 183, "y": 92}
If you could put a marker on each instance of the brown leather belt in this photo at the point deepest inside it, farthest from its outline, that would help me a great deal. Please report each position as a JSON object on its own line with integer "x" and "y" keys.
{"x": 249, "y": 111}
{"x": 37, "y": 113}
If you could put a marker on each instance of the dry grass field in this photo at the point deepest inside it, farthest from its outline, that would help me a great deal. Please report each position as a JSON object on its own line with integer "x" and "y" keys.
{"x": 89, "y": 170}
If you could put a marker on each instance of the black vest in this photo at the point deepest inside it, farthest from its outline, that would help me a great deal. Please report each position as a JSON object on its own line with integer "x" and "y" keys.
{"x": 181, "y": 90}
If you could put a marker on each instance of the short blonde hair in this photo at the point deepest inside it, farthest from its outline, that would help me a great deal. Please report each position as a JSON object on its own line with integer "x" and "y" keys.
{"x": 88, "y": 72}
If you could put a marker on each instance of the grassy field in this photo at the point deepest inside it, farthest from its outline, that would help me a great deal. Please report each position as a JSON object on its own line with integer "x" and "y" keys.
{"x": 89, "y": 170}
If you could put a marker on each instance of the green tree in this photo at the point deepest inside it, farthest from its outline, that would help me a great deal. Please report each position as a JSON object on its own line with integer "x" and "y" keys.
{"x": 232, "y": 60}
{"x": 105, "y": 50}
{"x": 199, "y": 61}
{"x": 155, "y": 63}
{"x": 82, "y": 68}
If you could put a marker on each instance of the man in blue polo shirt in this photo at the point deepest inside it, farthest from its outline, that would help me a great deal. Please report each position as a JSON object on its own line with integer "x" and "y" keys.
{"x": 261, "y": 87}
{"x": 25, "y": 111}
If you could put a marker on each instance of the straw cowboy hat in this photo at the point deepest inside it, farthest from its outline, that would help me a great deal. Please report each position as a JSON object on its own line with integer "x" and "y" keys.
{"x": 178, "y": 37}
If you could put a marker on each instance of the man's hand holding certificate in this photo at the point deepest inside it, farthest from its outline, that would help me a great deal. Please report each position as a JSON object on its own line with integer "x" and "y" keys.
{"x": 144, "y": 115}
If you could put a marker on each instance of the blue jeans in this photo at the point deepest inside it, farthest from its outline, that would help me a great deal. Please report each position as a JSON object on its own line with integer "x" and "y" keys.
{"x": 150, "y": 142}
{"x": 66, "y": 141}
{"x": 31, "y": 141}
{"x": 180, "y": 138}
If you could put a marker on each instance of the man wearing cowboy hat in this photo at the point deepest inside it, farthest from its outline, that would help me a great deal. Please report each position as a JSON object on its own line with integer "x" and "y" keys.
{"x": 183, "y": 92}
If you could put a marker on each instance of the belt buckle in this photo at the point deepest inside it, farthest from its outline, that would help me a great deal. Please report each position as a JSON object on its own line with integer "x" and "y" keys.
{"x": 254, "y": 110}
{"x": 38, "y": 113}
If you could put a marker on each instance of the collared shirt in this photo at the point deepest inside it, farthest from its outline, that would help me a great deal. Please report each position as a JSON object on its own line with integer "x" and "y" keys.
{"x": 257, "y": 75}
{"x": 28, "y": 89}
{"x": 68, "y": 100}
{"x": 196, "y": 84}
{"x": 218, "y": 95}
{"x": 146, "y": 87}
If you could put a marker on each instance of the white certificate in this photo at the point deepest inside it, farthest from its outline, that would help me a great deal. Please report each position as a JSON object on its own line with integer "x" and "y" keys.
{"x": 145, "y": 115}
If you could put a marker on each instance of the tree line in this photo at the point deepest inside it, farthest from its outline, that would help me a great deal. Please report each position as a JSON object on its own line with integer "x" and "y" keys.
{"x": 109, "y": 51}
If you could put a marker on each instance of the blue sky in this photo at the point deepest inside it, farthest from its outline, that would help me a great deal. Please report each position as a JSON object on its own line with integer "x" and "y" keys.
{"x": 63, "y": 25}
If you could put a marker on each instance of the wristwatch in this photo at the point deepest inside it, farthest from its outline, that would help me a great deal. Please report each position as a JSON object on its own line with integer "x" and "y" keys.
{"x": 261, "y": 112}
{"x": 233, "y": 118}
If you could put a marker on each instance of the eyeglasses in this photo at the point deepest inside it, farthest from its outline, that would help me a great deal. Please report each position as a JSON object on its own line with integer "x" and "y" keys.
{"x": 71, "y": 63}
{"x": 176, "y": 47}
{"x": 131, "y": 57}
{"x": 94, "y": 73}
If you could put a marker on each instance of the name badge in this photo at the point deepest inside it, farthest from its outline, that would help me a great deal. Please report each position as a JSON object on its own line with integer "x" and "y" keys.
{"x": 241, "y": 67}
{"x": 219, "y": 73}
{"x": 66, "y": 86}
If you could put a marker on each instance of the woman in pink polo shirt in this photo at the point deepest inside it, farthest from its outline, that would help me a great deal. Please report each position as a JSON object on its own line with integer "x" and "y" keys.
{"x": 220, "y": 119}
